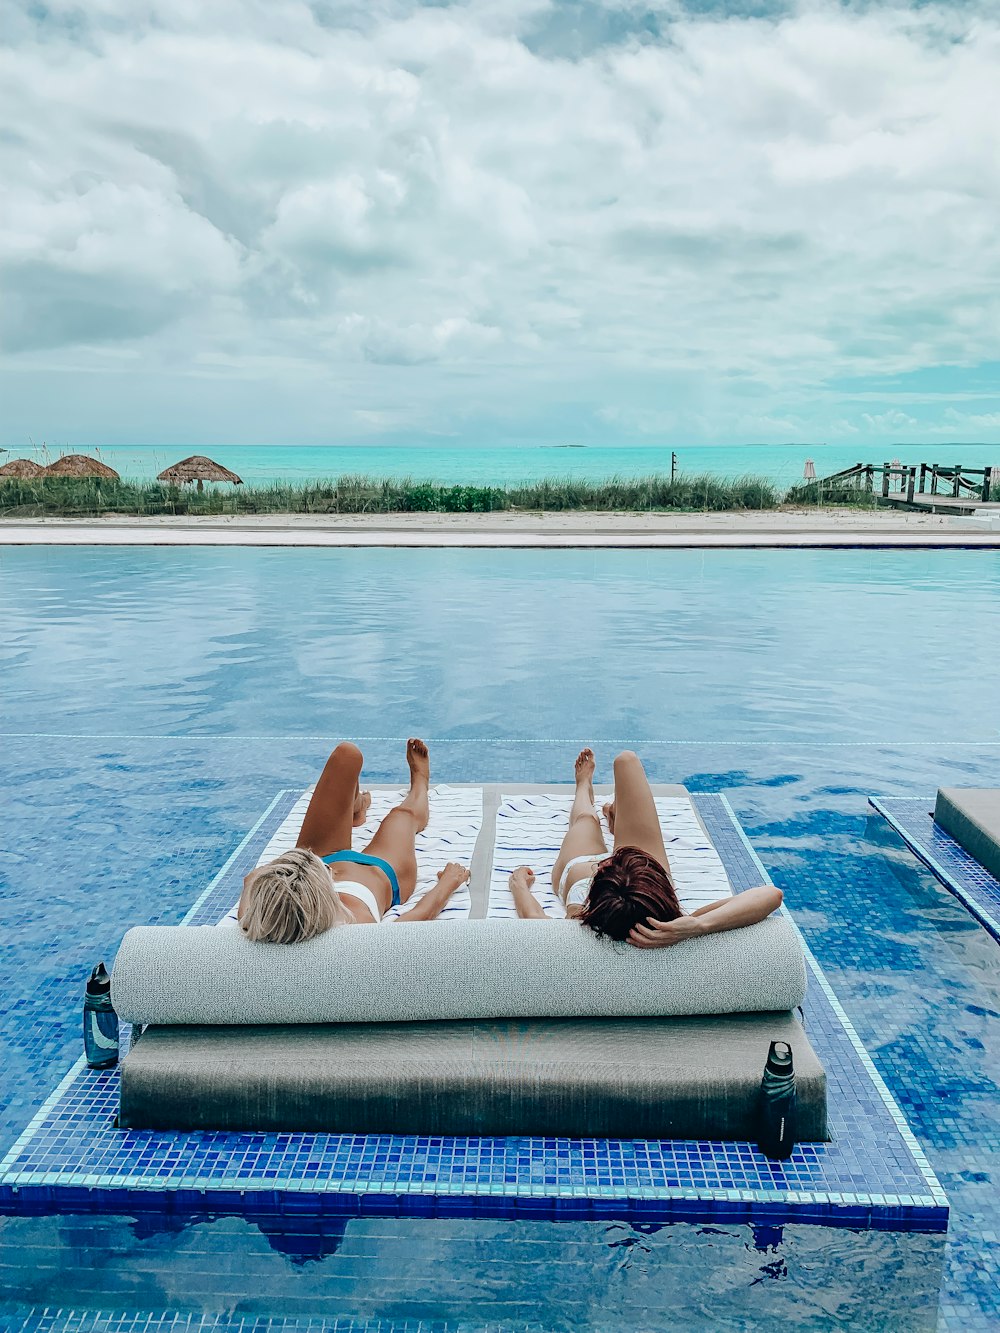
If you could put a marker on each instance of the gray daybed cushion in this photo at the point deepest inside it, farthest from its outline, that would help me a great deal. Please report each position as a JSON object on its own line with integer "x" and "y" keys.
{"x": 680, "y": 1078}
{"x": 972, "y": 816}
{"x": 442, "y": 970}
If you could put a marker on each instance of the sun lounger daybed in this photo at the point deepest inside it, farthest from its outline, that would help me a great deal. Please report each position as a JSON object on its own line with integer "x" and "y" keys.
{"x": 484, "y": 1027}
{"x": 470, "y": 1026}
{"x": 972, "y": 816}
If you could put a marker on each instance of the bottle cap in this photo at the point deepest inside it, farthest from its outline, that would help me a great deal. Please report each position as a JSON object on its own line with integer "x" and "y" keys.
{"x": 99, "y": 982}
{"x": 779, "y": 1057}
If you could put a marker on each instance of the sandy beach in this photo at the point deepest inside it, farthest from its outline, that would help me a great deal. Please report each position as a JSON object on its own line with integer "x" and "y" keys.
{"x": 772, "y": 528}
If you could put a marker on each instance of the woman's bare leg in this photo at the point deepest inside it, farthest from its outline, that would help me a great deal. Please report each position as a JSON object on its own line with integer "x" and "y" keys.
{"x": 584, "y": 836}
{"x": 337, "y": 805}
{"x": 632, "y": 815}
{"x": 395, "y": 840}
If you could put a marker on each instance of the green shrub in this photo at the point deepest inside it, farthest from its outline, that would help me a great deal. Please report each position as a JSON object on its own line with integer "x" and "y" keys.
{"x": 832, "y": 493}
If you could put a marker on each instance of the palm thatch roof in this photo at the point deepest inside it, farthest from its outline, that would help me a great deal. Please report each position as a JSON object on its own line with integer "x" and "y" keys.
{"x": 80, "y": 465}
{"x": 200, "y": 469}
{"x": 21, "y": 468}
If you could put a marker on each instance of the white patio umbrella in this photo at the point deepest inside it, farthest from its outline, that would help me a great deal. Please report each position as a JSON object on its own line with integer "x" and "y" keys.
{"x": 809, "y": 471}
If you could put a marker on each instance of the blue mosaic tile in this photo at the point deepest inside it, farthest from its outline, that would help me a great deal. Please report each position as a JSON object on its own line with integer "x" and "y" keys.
{"x": 960, "y": 873}
{"x": 179, "y": 1321}
{"x": 872, "y": 1173}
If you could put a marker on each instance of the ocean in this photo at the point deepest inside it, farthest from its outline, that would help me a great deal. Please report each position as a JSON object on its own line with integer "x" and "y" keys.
{"x": 489, "y": 465}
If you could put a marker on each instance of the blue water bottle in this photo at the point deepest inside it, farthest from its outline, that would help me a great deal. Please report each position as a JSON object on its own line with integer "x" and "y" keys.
{"x": 776, "y": 1107}
{"x": 100, "y": 1022}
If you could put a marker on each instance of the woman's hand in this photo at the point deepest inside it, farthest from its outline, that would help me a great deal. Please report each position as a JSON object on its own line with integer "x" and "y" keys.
{"x": 741, "y": 909}
{"x": 660, "y": 934}
{"x": 526, "y": 904}
{"x": 435, "y": 900}
{"x": 453, "y": 876}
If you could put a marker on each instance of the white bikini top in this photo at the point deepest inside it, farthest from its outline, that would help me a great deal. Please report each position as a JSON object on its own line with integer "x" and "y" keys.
{"x": 360, "y": 891}
{"x": 579, "y": 892}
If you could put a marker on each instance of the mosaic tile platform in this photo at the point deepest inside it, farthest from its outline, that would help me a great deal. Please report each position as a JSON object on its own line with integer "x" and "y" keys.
{"x": 179, "y": 1321}
{"x": 960, "y": 873}
{"x": 872, "y": 1174}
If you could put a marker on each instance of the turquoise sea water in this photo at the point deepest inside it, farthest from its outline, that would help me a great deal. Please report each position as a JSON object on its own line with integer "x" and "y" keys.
{"x": 783, "y": 463}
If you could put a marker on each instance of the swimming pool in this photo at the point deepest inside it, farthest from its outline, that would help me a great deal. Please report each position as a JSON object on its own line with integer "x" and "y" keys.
{"x": 154, "y": 701}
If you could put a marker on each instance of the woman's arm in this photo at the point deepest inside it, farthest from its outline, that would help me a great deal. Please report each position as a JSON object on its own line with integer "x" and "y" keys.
{"x": 742, "y": 909}
{"x": 525, "y": 901}
{"x": 434, "y": 901}
{"x": 710, "y": 907}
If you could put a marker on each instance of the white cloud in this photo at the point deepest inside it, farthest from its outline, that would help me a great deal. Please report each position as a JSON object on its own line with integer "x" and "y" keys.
{"x": 658, "y": 222}
{"x": 892, "y": 422}
{"x": 842, "y": 428}
{"x": 386, "y": 343}
{"x": 967, "y": 425}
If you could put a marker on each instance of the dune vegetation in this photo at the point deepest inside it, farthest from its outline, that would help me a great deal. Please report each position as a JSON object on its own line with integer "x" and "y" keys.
{"x": 81, "y": 497}
{"x": 833, "y": 492}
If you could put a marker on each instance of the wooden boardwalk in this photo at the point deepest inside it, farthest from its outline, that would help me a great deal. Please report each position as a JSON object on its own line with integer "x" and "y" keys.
{"x": 940, "y": 504}
{"x": 967, "y": 490}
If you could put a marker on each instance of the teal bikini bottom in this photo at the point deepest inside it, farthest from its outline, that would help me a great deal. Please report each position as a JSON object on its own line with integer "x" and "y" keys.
{"x": 363, "y": 859}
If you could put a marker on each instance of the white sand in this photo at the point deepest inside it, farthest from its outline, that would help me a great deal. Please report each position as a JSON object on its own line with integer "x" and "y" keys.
{"x": 774, "y": 528}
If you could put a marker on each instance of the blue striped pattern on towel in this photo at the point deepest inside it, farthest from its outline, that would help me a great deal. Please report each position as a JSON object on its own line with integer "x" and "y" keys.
{"x": 456, "y": 816}
{"x": 531, "y": 828}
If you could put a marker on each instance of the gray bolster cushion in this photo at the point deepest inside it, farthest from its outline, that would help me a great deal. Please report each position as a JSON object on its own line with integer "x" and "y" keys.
{"x": 449, "y": 970}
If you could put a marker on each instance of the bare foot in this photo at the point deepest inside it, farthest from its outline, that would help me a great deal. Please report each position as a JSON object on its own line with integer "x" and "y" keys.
{"x": 585, "y": 766}
{"x": 415, "y": 799}
{"x": 362, "y": 802}
{"x": 418, "y": 760}
{"x": 609, "y": 814}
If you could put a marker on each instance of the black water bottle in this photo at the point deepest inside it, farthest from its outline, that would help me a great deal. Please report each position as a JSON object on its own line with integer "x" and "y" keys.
{"x": 100, "y": 1022}
{"x": 776, "y": 1107}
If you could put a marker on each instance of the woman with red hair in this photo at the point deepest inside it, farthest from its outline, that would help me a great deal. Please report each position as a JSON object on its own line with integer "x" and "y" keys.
{"x": 629, "y": 894}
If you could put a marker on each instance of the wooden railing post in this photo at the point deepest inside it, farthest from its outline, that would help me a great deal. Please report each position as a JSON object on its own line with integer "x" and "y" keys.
{"x": 905, "y": 481}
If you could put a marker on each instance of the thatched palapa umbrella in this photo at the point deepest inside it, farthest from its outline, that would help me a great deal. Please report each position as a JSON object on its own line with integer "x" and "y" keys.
{"x": 21, "y": 469}
{"x": 200, "y": 469}
{"x": 79, "y": 466}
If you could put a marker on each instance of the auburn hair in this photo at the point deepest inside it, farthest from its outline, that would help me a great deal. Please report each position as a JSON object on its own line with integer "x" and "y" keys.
{"x": 628, "y": 888}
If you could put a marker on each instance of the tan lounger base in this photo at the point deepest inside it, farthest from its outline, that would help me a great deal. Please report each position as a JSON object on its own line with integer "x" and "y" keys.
{"x": 680, "y": 1078}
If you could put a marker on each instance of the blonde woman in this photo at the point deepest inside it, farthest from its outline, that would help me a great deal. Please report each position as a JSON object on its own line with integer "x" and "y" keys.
{"x": 323, "y": 882}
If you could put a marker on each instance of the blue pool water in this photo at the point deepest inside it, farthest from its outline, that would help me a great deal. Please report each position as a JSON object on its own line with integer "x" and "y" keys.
{"x": 154, "y": 701}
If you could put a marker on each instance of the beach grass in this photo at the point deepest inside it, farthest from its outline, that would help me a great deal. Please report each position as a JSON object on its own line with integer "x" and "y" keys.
{"x": 86, "y": 497}
{"x": 821, "y": 492}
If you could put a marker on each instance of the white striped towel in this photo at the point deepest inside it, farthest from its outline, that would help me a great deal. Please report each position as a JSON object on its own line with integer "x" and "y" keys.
{"x": 456, "y": 816}
{"x": 530, "y": 830}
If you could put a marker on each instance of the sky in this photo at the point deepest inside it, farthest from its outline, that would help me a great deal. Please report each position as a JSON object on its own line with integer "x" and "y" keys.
{"x": 499, "y": 222}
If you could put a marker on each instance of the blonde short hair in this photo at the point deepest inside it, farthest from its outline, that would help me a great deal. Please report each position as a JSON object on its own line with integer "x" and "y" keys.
{"x": 291, "y": 899}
